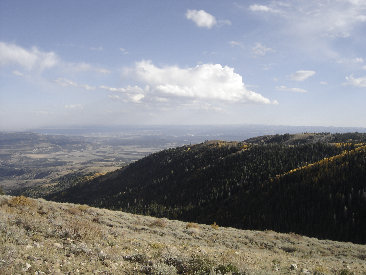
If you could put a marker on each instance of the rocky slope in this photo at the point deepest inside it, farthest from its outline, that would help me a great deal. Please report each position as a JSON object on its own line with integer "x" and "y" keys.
{"x": 41, "y": 237}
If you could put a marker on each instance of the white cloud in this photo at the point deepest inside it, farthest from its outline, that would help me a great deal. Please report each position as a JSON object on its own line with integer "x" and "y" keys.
{"x": 17, "y": 73}
{"x": 356, "y": 60}
{"x": 11, "y": 54}
{"x": 137, "y": 98}
{"x": 34, "y": 59}
{"x": 224, "y": 22}
{"x": 99, "y": 49}
{"x": 320, "y": 18}
{"x": 302, "y": 75}
{"x": 312, "y": 26}
{"x": 85, "y": 67}
{"x": 131, "y": 93}
{"x": 206, "y": 81}
{"x": 42, "y": 113}
{"x": 68, "y": 83}
{"x": 201, "y": 18}
{"x": 123, "y": 50}
{"x": 236, "y": 44}
{"x": 262, "y": 8}
{"x": 261, "y": 50}
{"x": 114, "y": 97}
{"x": 323, "y": 83}
{"x": 357, "y": 82}
{"x": 74, "y": 107}
{"x": 288, "y": 89}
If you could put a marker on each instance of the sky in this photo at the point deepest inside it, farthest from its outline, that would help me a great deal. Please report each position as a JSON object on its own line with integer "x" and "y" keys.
{"x": 173, "y": 62}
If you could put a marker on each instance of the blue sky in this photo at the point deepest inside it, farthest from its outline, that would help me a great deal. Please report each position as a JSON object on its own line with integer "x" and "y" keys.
{"x": 72, "y": 63}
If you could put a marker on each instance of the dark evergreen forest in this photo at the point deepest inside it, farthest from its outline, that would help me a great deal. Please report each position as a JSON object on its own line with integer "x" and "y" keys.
{"x": 311, "y": 184}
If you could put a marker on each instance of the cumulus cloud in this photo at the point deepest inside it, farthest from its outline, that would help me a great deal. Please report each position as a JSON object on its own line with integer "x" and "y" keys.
{"x": 288, "y": 89}
{"x": 302, "y": 75}
{"x": 261, "y": 50}
{"x": 206, "y": 81}
{"x": 357, "y": 82}
{"x": 201, "y": 18}
{"x": 11, "y": 54}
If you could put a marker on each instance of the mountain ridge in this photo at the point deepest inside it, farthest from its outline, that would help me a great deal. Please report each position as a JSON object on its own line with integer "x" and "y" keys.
{"x": 230, "y": 183}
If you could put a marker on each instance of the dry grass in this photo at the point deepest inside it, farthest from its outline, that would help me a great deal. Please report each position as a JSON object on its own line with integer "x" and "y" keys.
{"x": 40, "y": 237}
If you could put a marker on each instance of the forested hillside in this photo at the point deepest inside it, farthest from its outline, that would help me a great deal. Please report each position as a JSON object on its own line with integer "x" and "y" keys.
{"x": 313, "y": 184}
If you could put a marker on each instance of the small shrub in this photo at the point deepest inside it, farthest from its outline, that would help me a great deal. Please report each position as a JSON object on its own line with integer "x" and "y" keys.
{"x": 137, "y": 258}
{"x": 288, "y": 249}
{"x": 345, "y": 272}
{"x": 41, "y": 211}
{"x": 158, "y": 223}
{"x": 200, "y": 265}
{"x": 320, "y": 270}
{"x": 224, "y": 269}
{"x": 192, "y": 225}
{"x": 74, "y": 211}
{"x": 83, "y": 207}
{"x": 163, "y": 269}
{"x": 214, "y": 226}
{"x": 20, "y": 201}
{"x": 157, "y": 245}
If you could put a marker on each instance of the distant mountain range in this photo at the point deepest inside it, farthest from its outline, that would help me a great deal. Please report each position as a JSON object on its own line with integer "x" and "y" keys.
{"x": 312, "y": 184}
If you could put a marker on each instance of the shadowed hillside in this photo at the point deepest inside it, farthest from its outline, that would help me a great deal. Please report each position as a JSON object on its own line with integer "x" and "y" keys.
{"x": 311, "y": 184}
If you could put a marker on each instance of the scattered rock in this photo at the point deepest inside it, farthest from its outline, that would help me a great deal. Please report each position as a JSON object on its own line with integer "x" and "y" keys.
{"x": 293, "y": 266}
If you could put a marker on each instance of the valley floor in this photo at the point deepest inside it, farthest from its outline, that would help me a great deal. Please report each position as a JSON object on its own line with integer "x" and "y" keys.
{"x": 41, "y": 237}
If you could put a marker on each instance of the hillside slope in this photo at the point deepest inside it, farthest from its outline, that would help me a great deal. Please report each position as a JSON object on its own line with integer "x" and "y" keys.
{"x": 236, "y": 184}
{"x": 41, "y": 237}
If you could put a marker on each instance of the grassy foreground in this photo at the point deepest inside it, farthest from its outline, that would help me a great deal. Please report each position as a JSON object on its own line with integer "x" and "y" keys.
{"x": 41, "y": 237}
